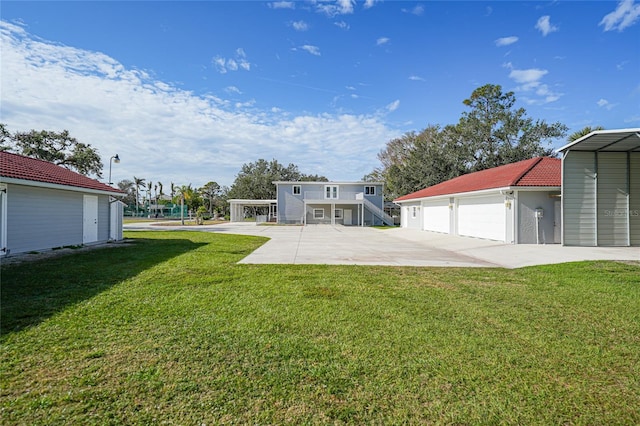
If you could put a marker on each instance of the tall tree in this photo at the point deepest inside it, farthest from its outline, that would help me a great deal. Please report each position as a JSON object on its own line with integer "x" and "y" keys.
{"x": 57, "y": 148}
{"x": 5, "y": 138}
{"x": 255, "y": 180}
{"x": 190, "y": 196}
{"x": 492, "y": 133}
{"x": 128, "y": 187}
{"x": 497, "y": 133}
{"x": 138, "y": 182}
{"x": 210, "y": 192}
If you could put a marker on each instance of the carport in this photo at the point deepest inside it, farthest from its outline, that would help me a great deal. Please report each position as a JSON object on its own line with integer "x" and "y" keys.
{"x": 601, "y": 189}
{"x": 237, "y": 208}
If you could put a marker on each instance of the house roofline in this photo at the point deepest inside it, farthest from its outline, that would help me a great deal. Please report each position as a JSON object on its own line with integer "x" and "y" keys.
{"x": 299, "y": 182}
{"x": 48, "y": 185}
{"x": 481, "y": 192}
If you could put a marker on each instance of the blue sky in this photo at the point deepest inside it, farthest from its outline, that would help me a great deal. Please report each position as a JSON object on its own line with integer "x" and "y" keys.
{"x": 187, "y": 92}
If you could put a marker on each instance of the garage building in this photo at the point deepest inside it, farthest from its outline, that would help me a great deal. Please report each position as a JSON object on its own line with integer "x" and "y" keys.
{"x": 601, "y": 189}
{"x": 514, "y": 203}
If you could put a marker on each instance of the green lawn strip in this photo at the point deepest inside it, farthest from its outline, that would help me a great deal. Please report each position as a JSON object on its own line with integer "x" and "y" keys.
{"x": 171, "y": 329}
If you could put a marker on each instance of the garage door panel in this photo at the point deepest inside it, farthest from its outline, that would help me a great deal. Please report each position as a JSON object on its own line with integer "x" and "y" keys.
{"x": 436, "y": 216}
{"x": 482, "y": 217}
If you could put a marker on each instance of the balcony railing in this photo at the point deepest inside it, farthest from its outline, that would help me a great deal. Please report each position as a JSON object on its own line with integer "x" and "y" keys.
{"x": 342, "y": 195}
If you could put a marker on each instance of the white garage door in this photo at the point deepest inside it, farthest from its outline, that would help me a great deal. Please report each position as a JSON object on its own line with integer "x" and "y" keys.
{"x": 436, "y": 216}
{"x": 482, "y": 217}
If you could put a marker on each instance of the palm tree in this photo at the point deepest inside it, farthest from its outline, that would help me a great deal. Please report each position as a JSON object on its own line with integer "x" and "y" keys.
{"x": 138, "y": 182}
{"x": 161, "y": 194}
{"x": 149, "y": 188}
{"x": 185, "y": 192}
{"x": 584, "y": 132}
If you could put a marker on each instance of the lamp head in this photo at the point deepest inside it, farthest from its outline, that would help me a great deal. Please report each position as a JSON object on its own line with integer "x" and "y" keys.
{"x": 116, "y": 159}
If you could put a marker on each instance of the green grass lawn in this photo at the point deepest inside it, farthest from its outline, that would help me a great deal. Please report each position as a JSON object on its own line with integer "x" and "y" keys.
{"x": 169, "y": 329}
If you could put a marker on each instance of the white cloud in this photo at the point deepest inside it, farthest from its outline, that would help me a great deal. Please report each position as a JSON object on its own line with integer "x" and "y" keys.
{"x": 527, "y": 76}
{"x": 545, "y": 26}
{"x": 118, "y": 110}
{"x": 233, "y": 89}
{"x": 530, "y": 84}
{"x": 621, "y": 65}
{"x": 339, "y": 7}
{"x": 314, "y": 50}
{"x": 369, "y": 3}
{"x": 381, "y": 41}
{"x": 300, "y": 26}
{"x": 506, "y": 41}
{"x": 232, "y": 64}
{"x": 416, "y": 78}
{"x": 625, "y": 15}
{"x": 417, "y": 10}
{"x": 603, "y": 103}
{"x": 393, "y": 105}
{"x": 342, "y": 24}
{"x": 282, "y": 5}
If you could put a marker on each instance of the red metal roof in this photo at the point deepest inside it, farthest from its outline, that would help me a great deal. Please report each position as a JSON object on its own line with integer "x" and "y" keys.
{"x": 539, "y": 171}
{"x": 20, "y": 167}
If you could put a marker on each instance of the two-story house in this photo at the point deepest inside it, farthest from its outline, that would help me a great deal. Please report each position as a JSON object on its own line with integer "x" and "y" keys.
{"x": 336, "y": 203}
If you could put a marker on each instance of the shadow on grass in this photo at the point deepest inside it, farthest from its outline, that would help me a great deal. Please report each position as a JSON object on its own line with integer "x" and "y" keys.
{"x": 31, "y": 292}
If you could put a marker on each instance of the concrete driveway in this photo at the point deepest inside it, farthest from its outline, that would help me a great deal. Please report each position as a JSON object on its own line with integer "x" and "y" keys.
{"x": 342, "y": 245}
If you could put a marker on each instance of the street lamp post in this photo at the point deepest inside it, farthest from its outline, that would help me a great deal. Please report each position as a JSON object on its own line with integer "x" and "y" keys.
{"x": 114, "y": 159}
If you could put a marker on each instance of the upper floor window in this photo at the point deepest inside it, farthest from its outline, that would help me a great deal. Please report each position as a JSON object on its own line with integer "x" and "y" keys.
{"x": 331, "y": 191}
{"x": 369, "y": 190}
{"x": 297, "y": 189}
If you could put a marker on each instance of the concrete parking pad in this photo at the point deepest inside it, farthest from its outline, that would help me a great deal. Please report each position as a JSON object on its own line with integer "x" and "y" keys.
{"x": 343, "y": 245}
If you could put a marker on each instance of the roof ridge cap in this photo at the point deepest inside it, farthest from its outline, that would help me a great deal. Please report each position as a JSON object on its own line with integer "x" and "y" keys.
{"x": 523, "y": 174}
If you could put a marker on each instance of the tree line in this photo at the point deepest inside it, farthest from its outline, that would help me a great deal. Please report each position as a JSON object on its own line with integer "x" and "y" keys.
{"x": 491, "y": 133}
{"x": 253, "y": 181}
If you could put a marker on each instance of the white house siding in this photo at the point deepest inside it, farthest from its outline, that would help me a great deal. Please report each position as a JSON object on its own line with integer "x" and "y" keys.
{"x": 528, "y": 202}
{"x": 634, "y": 198}
{"x": 39, "y": 218}
{"x": 411, "y": 213}
{"x": 482, "y": 217}
{"x": 579, "y": 199}
{"x": 436, "y": 215}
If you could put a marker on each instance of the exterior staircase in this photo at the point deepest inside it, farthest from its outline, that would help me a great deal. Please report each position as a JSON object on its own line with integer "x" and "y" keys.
{"x": 386, "y": 219}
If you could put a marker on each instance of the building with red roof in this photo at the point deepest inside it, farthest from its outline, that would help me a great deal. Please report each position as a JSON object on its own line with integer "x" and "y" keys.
{"x": 44, "y": 206}
{"x": 514, "y": 203}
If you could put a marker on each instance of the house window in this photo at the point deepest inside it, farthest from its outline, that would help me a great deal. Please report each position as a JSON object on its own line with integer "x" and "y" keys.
{"x": 297, "y": 189}
{"x": 414, "y": 212}
{"x": 369, "y": 190}
{"x": 318, "y": 213}
{"x": 331, "y": 191}
{"x": 337, "y": 214}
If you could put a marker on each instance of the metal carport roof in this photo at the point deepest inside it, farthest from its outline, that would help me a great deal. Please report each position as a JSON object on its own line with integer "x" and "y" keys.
{"x": 620, "y": 140}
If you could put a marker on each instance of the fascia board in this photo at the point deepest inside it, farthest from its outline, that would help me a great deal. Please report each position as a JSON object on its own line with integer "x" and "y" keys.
{"x": 48, "y": 185}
